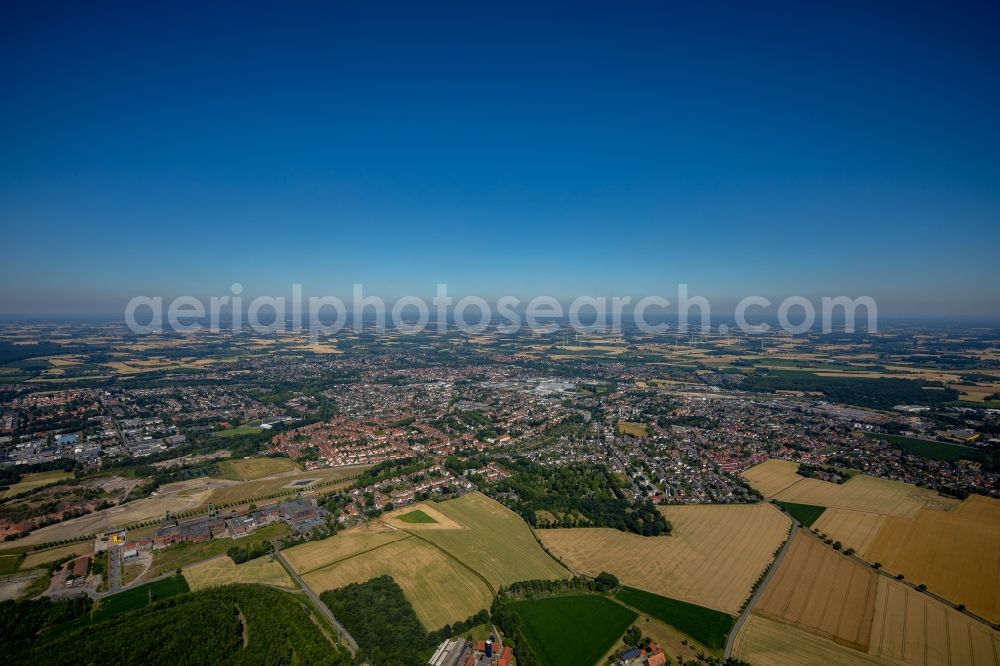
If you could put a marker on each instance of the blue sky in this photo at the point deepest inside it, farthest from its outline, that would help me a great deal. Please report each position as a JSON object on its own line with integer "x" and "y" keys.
{"x": 502, "y": 148}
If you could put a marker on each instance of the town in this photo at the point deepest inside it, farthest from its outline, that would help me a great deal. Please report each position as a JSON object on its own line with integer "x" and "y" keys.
{"x": 242, "y": 450}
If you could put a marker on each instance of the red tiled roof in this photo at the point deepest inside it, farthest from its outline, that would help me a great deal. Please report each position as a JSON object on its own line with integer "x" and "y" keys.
{"x": 657, "y": 659}
{"x": 80, "y": 566}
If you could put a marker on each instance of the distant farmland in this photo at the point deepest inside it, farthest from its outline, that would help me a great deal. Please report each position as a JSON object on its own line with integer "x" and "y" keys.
{"x": 314, "y": 555}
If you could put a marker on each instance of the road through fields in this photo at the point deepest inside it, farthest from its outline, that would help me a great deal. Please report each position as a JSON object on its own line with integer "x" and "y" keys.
{"x": 756, "y": 595}
{"x": 345, "y": 635}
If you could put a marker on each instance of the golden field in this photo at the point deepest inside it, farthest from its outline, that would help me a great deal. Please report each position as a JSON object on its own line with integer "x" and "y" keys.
{"x": 778, "y": 479}
{"x": 821, "y": 591}
{"x": 910, "y": 627}
{"x": 222, "y": 571}
{"x": 765, "y": 641}
{"x": 823, "y": 607}
{"x": 441, "y": 590}
{"x": 468, "y": 526}
{"x": 952, "y": 547}
{"x": 854, "y": 529}
{"x": 712, "y": 559}
{"x": 955, "y": 553}
{"x": 448, "y": 570}
{"x": 314, "y": 555}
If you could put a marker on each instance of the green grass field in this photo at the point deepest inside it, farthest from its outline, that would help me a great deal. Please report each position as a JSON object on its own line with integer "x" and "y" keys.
{"x": 245, "y": 429}
{"x": 10, "y": 563}
{"x": 249, "y": 469}
{"x": 137, "y": 597}
{"x": 926, "y": 448}
{"x": 572, "y": 630}
{"x": 36, "y": 480}
{"x": 807, "y": 514}
{"x": 417, "y": 516}
{"x": 985, "y": 404}
{"x": 707, "y": 626}
{"x": 123, "y": 602}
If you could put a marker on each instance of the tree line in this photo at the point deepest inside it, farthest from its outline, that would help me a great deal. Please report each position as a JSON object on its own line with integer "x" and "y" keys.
{"x": 381, "y": 619}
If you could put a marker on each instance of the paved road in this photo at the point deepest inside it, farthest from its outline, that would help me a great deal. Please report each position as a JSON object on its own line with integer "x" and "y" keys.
{"x": 348, "y": 640}
{"x": 756, "y": 595}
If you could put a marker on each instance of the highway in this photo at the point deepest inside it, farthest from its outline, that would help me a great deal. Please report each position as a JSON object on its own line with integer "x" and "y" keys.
{"x": 345, "y": 635}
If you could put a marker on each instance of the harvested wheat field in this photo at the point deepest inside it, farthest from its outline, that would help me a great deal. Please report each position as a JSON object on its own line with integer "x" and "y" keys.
{"x": 956, "y": 554}
{"x": 713, "y": 558}
{"x": 772, "y": 476}
{"x": 318, "y": 554}
{"x": 765, "y": 641}
{"x": 494, "y": 542}
{"x": 819, "y": 590}
{"x": 441, "y": 590}
{"x": 912, "y": 628}
{"x": 854, "y": 529}
{"x": 777, "y": 479}
{"x": 222, "y": 571}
